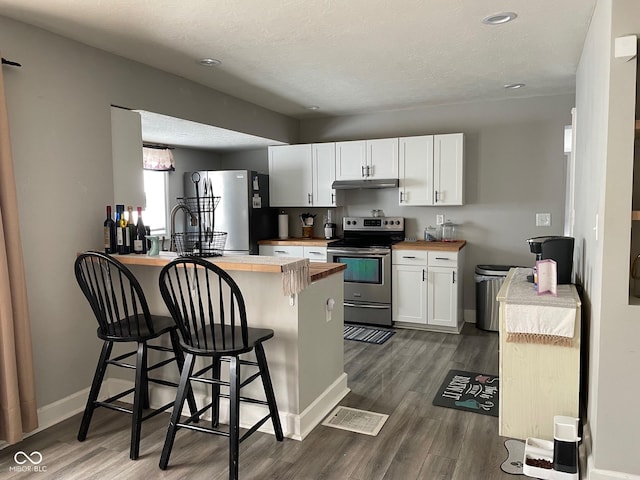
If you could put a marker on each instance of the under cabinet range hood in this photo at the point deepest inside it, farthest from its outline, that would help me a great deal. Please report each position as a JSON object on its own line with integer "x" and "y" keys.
{"x": 365, "y": 183}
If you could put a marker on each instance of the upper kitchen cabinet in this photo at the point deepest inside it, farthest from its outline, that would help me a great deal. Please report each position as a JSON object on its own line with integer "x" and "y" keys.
{"x": 448, "y": 169}
{"x": 301, "y": 175}
{"x": 126, "y": 150}
{"x": 431, "y": 170}
{"x": 361, "y": 159}
{"x": 416, "y": 170}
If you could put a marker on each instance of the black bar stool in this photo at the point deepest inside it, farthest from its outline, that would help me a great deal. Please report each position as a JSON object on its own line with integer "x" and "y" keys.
{"x": 209, "y": 309}
{"x": 120, "y": 307}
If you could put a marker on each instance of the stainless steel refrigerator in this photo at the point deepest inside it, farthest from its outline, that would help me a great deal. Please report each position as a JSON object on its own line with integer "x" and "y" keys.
{"x": 243, "y": 211}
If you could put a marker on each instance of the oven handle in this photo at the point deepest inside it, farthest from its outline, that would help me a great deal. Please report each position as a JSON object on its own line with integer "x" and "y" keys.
{"x": 377, "y": 307}
{"x": 364, "y": 252}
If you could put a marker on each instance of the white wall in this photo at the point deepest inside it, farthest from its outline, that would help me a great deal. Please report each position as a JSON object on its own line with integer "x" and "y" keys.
{"x": 59, "y": 116}
{"x": 514, "y": 168}
{"x": 605, "y": 104}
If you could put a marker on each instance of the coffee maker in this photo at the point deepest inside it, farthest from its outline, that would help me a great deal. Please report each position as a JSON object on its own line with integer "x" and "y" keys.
{"x": 555, "y": 248}
{"x": 329, "y": 227}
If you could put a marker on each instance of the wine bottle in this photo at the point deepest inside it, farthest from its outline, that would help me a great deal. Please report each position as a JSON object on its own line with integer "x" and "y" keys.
{"x": 131, "y": 229}
{"x": 140, "y": 243}
{"x": 109, "y": 233}
{"x": 121, "y": 230}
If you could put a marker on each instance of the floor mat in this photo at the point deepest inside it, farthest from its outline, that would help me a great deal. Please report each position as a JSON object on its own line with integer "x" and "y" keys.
{"x": 367, "y": 334}
{"x": 470, "y": 391}
{"x": 513, "y": 464}
{"x": 354, "y": 420}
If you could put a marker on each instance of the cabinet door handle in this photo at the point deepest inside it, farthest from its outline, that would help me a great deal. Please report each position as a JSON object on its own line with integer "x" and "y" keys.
{"x": 423, "y": 274}
{"x": 436, "y": 196}
{"x": 333, "y": 199}
{"x": 442, "y": 258}
{"x": 309, "y": 198}
{"x": 454, "y": 276}
{"x": 401, "y": 195}
{"x": 279, "y": 251}
{"x": 315, "y": 253}
{"x": 407, "y": 257}
{"x": 369, "y": 172}
{"x": 362, "y": 167}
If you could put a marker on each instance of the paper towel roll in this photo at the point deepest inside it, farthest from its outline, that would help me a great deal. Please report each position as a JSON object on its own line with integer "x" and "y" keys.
{"x": 283, "y": 226}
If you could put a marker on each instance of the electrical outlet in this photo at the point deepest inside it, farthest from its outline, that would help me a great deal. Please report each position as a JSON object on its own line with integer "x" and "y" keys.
{"x": 543, "y": 219}
{"x": 439, "y": 219}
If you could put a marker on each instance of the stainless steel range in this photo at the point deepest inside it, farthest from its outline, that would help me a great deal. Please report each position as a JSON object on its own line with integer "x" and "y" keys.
{"x": 366, "y": 250}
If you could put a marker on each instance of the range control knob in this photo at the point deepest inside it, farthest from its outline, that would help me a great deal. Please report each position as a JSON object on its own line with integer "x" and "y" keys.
{"x": 386, "y": 222}
{"x": 348, "y": 222}
{"x": 397, "y": 222}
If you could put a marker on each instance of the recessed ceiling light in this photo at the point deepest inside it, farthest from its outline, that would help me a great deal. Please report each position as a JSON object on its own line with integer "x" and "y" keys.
{"x": 514, "y": 86}
{"x": 499, "y": 18}
{"x": 312, "y": 107}
{"x": 209, "y": 62}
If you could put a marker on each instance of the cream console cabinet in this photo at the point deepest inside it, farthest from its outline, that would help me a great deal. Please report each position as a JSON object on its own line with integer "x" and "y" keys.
{"x": 427, "y": 289}
{"x": 431, "y": 170}
{"x": 301, "y": 175}
{"x": 361, "y": 159}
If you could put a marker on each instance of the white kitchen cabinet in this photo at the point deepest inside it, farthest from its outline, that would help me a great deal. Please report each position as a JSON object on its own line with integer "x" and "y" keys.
{"x": 361, "y": 159}
{"x": 448, "y": 169}
{"x": 427, "y": 290}
{"x": 442, "y": 296}
{"x": 282, "y": 250}
{"x": 409, "y": 294}
{"x": 324, "y": 173}
{"x": 431, "y": 170}
{"x": 315, "y": 254}
{"x": 416, "y": 170}
{"x": 301, "y": 175}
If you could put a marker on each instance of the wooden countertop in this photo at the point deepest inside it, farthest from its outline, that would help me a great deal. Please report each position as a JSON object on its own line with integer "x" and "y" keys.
{"x": 436, "y": 246}
{"x": 318, "y": 270}
{"x": 297, "y": 241}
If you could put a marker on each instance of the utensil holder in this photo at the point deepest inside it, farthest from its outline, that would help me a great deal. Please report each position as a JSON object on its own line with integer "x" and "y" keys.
{"x": 307, "y": 232}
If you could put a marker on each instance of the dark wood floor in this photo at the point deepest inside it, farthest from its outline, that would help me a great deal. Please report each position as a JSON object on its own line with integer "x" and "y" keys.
{"x": 399, "y": 378}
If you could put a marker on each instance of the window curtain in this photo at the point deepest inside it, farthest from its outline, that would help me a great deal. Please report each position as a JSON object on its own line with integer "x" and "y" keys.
{"x": 18, "y": 409}
{"x": 157, "y": 158}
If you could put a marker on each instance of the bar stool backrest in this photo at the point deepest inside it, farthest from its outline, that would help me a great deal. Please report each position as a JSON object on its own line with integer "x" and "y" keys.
{"x": 206, "y": 304}
{"x": 115, "y": 296}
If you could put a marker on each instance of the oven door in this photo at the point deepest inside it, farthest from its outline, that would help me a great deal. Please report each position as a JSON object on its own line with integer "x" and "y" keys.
{"x": 367, "y": 283}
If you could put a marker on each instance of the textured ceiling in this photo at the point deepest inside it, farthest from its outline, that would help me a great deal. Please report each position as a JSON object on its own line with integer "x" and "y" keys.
{"x": 347, "y": 57}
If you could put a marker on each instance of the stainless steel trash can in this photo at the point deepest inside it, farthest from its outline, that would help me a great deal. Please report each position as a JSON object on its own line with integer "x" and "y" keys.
{"x": 489, "y": 279}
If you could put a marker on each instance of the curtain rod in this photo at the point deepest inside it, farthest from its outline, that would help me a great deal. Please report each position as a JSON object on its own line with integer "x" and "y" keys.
{"x": 9, "y": 62}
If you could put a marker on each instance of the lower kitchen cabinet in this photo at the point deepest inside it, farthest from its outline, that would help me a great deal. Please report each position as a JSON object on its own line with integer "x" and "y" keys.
{"x": 442, "y": 297}
{"x": 427, "y": 290}
{"x": 409, "y": 294}
{"x": 313, "y": 253}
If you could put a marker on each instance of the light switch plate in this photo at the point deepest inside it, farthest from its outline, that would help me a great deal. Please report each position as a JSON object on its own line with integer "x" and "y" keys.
{"x": 439, "y": 219}
{"x": 543, "y": 219}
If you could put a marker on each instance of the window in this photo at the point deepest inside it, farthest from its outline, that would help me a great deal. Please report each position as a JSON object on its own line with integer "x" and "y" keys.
{"x": 155, "y": 189}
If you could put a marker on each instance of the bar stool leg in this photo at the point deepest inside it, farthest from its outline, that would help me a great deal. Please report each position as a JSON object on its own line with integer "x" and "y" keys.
{"x": 215, "y": 394}
{"x": 234, "y": 417}
{"x": 268, "y": 391}
{"x": 139, "y": 397}
{"x": 191, "y": 401}
{"x": 98, "y": 377}
{"x": 181, "y": 395}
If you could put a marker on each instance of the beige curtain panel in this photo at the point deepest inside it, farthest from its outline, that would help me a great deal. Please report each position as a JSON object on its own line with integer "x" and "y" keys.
{"x": 18, "y": 409}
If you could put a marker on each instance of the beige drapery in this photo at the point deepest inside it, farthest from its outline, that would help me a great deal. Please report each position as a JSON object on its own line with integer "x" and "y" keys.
{"x": 18, "y": 410}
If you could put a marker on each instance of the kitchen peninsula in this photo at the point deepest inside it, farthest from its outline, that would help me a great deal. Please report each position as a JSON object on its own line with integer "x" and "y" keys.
{"x": 305, "y": 356}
